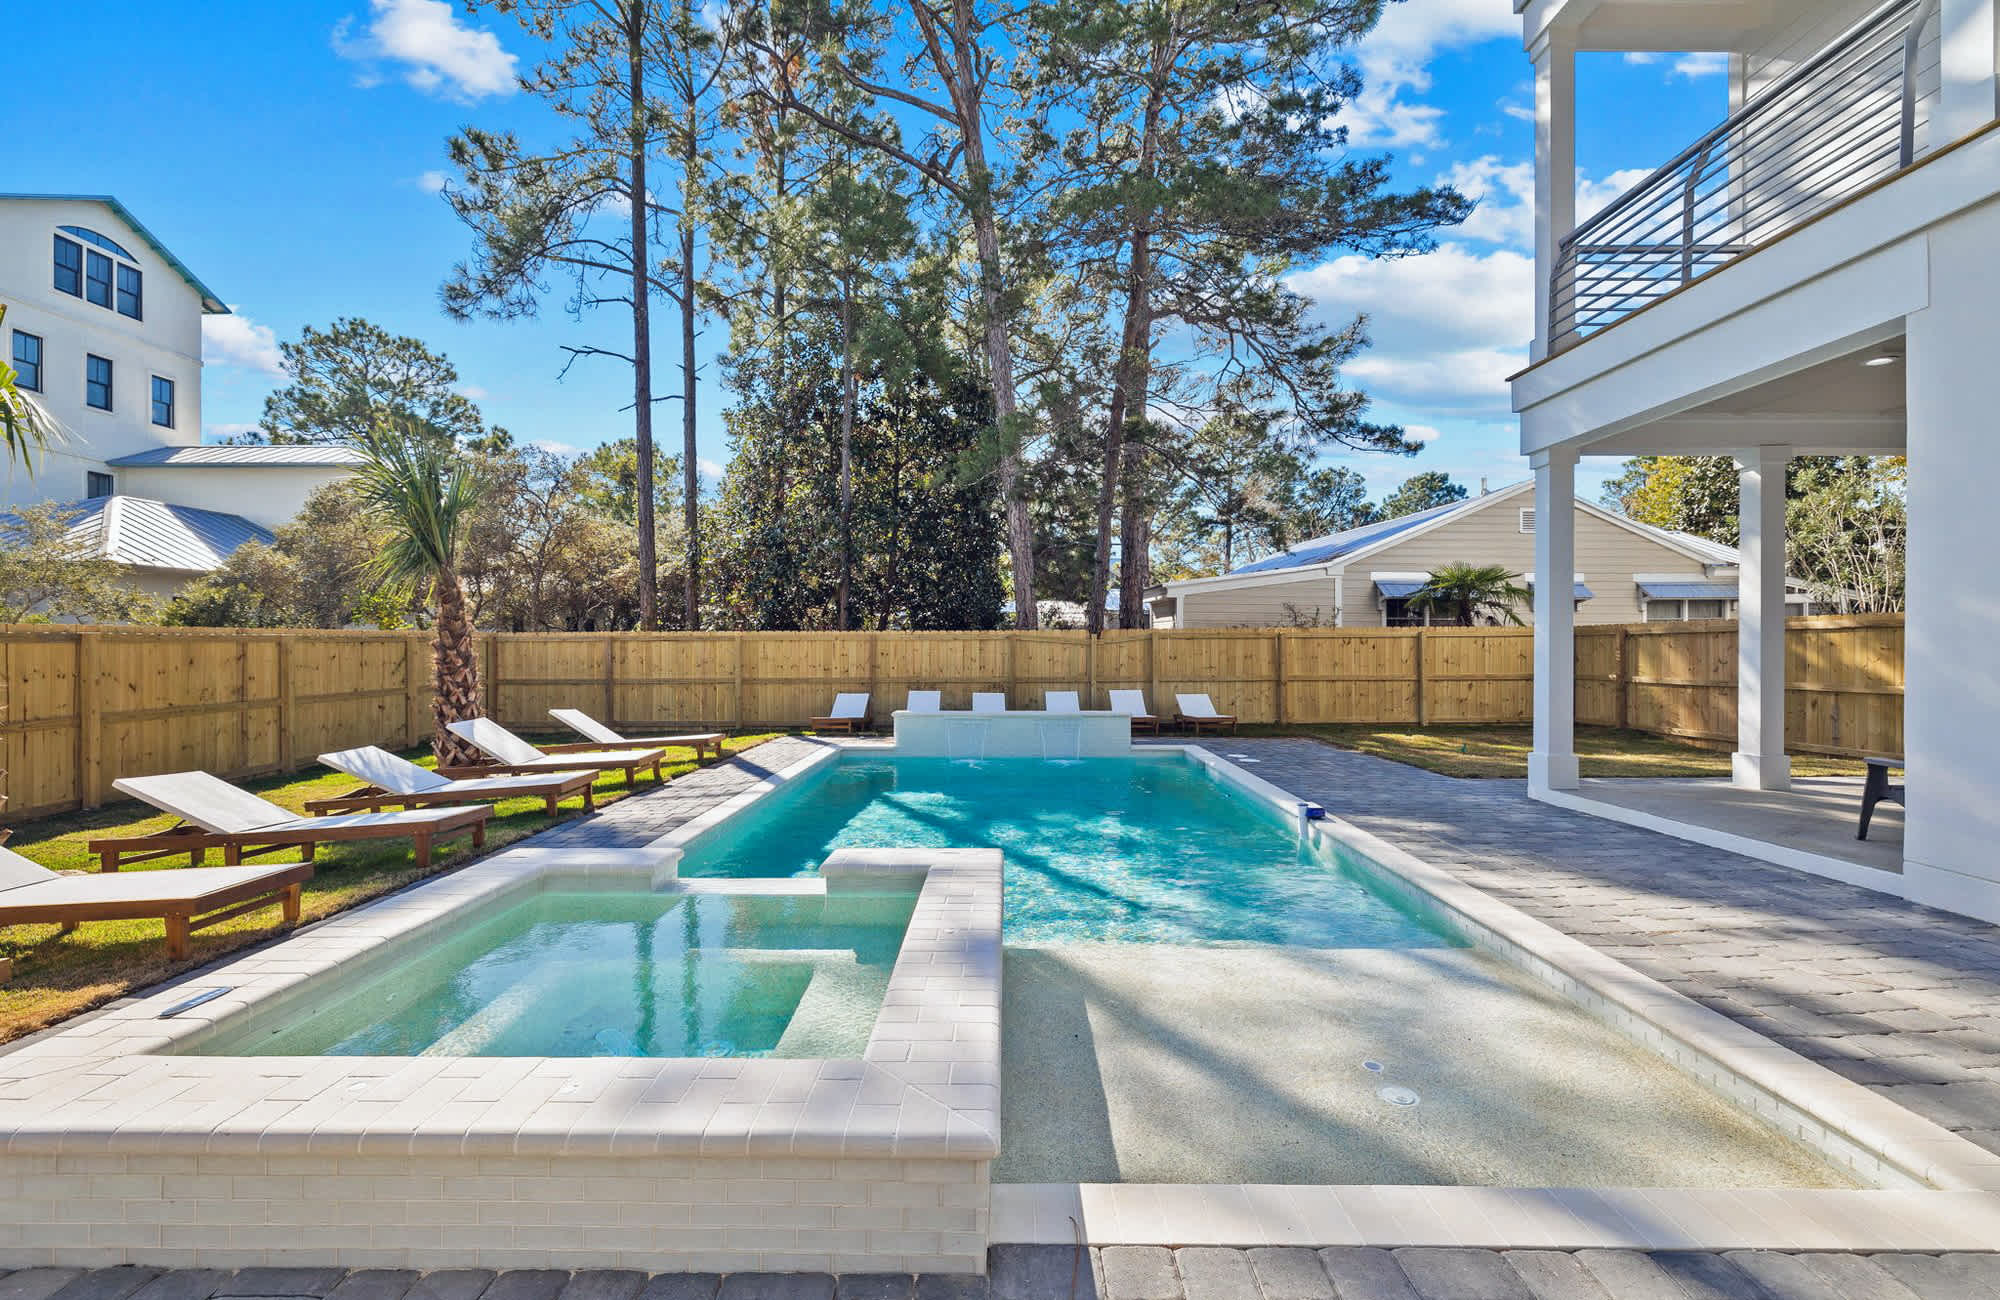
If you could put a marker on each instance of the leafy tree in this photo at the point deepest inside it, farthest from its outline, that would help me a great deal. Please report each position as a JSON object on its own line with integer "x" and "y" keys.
{"x": 1847, "y": 531}
{"x": 1688, "y": 494}
{"x": 313, "y": 574}
{"x": 1319, "y": 501}
{"x": 347, "y": 379}
{"x": 49, "y": 568}
{"x": 1424, "y": 491}
{"x": 1234, "y": 473}
{"x": 26, "y": 426}
{"x": 1463, "y": 594}
{"x": 423, "y": 495}
{"x": 582, "y": 209}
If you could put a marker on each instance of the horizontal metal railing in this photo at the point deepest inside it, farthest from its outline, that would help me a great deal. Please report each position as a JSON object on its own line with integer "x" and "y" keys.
{"x": 1837, "y": 123}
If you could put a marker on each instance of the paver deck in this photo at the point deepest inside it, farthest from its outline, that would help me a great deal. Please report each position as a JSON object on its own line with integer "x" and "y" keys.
{"x": 655, "y": 811}
{"x": 1120, "y": 1273}
{"x": 1900, "y": 998}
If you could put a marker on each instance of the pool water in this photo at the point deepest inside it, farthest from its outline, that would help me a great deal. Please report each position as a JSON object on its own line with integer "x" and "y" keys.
{"x": 1151, "y": 850}
{"x": 615, "y": 974}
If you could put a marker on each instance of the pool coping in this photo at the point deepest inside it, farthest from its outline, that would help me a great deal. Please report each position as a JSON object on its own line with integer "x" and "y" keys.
{"x": 926, "y": 1087}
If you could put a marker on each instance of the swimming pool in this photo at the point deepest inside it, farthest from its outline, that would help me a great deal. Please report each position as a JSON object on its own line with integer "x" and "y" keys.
{"x": 600, "y": 973}
{"x": 1146, "y": 849}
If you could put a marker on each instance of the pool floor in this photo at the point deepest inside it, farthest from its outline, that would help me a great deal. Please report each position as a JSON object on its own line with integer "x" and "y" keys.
{"x": 1173, "y": 1064}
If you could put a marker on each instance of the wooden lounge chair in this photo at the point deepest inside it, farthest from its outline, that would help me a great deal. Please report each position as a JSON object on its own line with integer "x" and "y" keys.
{"x": 597, "y": 736}
{"x": 1875, "y": 788}
{"x": 393, "y": 782}
{"x": 508, "y": 753}
{"x": 1198, "y": 711}
{"x": 849, "y": 714}
{"x": 1133, "y": 703}
{"x": 186, "y": 900}
{"x": 217, "y": 815}
{"x": 1060, "y": 702}
{"x": 925, "y": 702}
{"x": 989, "y": 702}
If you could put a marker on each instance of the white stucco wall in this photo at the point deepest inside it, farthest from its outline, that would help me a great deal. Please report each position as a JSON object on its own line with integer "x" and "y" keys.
{"x": 268, "y": 495}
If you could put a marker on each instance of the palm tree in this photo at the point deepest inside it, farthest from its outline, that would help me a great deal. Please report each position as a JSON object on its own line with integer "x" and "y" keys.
{"x": 424, "y": 491}
{"x": 26, "y": 426}
{"x": 1460, "y": 593}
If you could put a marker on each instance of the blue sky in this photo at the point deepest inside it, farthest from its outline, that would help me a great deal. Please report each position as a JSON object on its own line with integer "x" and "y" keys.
{"x": 290, "y": 154}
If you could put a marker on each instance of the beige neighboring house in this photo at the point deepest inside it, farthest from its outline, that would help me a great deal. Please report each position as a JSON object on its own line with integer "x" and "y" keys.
{"x": 1627, "y": 572}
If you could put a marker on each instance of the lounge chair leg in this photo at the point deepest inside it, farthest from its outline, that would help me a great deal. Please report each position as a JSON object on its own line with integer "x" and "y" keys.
{"x": 68, "y": 927}
{"x": 291, "y": 904}
{"x": 590, "y": 797}
{"x": 107, "y": 860}
{"x": 197, "y": 857}
{"x": 479, "y": 835}
{"x": 232, "y": 854}
{"x": 307, "y": 850}
{"x": 423, "y": 851}
{"x": 177, "y": 937}
{"x": 549, "y": 805}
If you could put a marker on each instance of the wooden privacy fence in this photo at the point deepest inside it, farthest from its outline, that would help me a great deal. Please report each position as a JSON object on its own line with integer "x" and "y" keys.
{"x": 83, "y": 706}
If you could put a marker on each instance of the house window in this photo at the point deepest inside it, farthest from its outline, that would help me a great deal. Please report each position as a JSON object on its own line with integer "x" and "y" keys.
{"x": 1663, "y": 611}
{"x": 97, "y": 484}
{"x": 163, "y": 402}
{"x": 69, "y": 267}
{"x": 1528, "y": 519}
{"x": 1396, "y": 612}
{"x": 28, "y": 360}
{"x": 97, "y": 279}
{"x": 131, "y": 293}
{"x": 97, "y": 382}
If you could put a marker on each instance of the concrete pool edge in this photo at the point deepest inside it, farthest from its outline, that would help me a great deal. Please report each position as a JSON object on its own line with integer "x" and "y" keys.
{"x": 877, "y": 1164}
{"x": 1881, "y": 1142}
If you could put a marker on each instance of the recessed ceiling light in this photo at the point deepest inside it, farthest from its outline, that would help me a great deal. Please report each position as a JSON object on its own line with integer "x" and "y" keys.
{"x": 1884, "y": 360}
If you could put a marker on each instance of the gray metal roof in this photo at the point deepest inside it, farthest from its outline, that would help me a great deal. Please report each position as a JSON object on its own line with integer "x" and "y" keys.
{"x": 241, "y": 456}
{"x": 210, "y": 304}
{"x": 149, "y": 534}
{"x": 1321, "y": 550}
{"x": 1689, "y": 590}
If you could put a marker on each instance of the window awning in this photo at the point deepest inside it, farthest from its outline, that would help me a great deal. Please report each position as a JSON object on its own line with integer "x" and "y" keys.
{"x": 1688, "y": 590}
{"x": 1582, "y": 592}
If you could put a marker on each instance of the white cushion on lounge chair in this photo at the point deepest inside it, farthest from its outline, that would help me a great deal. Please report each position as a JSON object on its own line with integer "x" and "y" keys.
{"x": 215, "y": 805}
{"x": 850, "y": 705}
{"x": 1197, "y": 706}
{"x": 207, "y": 801}
{"x": 586, "y": 726}
{"x": 379, "y": 767}
{"x": 1130, "y": 702}
{"x": 926, "y": 701}
{"x": 496, "y": 740}
{"x": 16, "y": 871}
{"x": 989, "y": 702}
{"x": 1060, "y": 702}
{"x": 133, "y": 886}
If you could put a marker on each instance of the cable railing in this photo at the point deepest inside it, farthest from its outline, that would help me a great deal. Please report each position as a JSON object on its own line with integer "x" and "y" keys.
{"x": 1832, "y": 126}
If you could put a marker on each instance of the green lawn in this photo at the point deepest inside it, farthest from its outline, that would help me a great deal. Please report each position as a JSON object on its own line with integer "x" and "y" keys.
{"x": 1502, "y": 751}
{"x": 57, "y": 975}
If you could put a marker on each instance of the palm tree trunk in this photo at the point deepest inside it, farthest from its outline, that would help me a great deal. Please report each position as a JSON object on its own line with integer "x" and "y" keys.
{"x": 456, "y": 666}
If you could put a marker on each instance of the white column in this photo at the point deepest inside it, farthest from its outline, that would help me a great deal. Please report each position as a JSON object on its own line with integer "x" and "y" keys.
{"x": 1555, "y": 166}
{"x": 1967, "y": 45}
{"x": 1759, "y": 762}
{"x": 1552, "y": 763}
{"x": 1951, "y": 705}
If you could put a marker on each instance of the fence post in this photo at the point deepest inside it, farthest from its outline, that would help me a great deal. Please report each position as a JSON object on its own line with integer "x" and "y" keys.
{"x": 493, "y": 677}
{"x": 737, "y": 703}
{"x": 1013, "y": 678}
{"x": 415, "y": 652}
{"x": 1090, "y": 669}
{"x": 1153, "y": 671}
{"x": 874, "y": 668}
{"x": 1423, "y": 705}
{"x": 89, "y": 723}
{"x": 1278, "y": 673}
{"x": 611, "y": 718}
{"x": 287, "y": 743}
{"x": 1624, "y": 671}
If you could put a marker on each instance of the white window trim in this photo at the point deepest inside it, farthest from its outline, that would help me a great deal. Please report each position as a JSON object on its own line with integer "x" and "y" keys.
{"x": 173, "y": 386}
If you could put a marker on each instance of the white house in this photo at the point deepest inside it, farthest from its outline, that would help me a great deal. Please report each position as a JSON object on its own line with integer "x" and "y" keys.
{"x": 1816, "y": 274}
{"x": 1625, "y": 571}
{"x": 104, "y": 326}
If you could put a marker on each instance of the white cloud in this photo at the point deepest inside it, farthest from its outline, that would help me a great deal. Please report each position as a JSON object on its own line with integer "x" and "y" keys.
{"x": 1691, "y": 66}
{"x": 1591, "y": 196}
{"x": 710, "y": 471}
{"x": 1395, "y": 64}
{"x": 472, "y": 392}
{"x": 1505, "y": 195}
{"x": 236, "y": 340}
{"x": 224, "y": 432}
{"x": 1421, "y": 433}
{"x": 434, "y": 50}
{"x": 432, "y": 182}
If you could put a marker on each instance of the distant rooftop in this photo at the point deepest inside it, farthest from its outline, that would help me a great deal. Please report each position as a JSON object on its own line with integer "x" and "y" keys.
{"x": 1323, "y": 550}
{"x": 239, "y": 456}
{"x": 150, "y": 534}
{"x": 210, "y": 304}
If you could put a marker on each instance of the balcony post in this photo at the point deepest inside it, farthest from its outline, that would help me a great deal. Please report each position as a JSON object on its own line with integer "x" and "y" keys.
{"x": 1552, "y": 763}
{"x": 1554, "y": 54}
{"x": 1967, "y": 58}
{"x": 1759, "y": 762}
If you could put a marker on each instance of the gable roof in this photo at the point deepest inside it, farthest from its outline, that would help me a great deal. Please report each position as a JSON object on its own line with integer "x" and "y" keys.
{"x": 148, "y": 534}
{"x": 240, "y": 456}
{"x": 210, "y": 304}
{"x": 1322, "y": 550}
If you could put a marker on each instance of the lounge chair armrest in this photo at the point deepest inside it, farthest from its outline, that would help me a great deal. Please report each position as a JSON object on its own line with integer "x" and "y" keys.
{"x": 583, "y": 746}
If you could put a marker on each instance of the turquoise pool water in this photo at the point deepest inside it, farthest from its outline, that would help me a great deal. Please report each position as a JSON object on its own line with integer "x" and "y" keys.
{"x": 1111, "y": 850}
{"x": 615, "y": 974}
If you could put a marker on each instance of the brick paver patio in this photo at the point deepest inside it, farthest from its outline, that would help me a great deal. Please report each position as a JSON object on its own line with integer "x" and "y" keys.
{"x": 1902, "y": 999}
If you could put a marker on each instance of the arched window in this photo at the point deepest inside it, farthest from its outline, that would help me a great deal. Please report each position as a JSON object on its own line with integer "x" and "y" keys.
{"x": 104, "y": 242}
{"x": 92, "y": 275}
